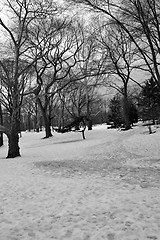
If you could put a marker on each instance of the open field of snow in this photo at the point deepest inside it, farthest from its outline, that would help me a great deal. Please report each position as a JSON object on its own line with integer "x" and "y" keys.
{"x": 66, "y": 188}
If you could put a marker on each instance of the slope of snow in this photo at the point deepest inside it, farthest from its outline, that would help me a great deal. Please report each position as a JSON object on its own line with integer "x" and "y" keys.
{"x": 65, "y": 188}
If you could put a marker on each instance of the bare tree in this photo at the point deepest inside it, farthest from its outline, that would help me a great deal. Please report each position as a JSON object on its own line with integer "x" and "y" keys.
{"x": 62, "y": 44}
{"x": 59, "y": 43}
{"x": 140, "y": 20}
{"x": 122, "y": 59}
{"x": 22, "y": 17}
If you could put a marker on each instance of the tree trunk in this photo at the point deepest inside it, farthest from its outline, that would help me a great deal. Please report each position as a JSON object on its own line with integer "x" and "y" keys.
{"x": 1, "y": 139}
{"x": 45, "y": 118}
{"x": 13, "y": 138}
{"x": 126, "y": 113}
{"x": 29, "y": 121}
{"x": 88, "y": 109}
{"x": 1, "y": 123}
{"x": 89, "y": 124}
{"x": 47, "y": 127}
{"x": 46, "y": 124}
{"x": 13, "y": 143}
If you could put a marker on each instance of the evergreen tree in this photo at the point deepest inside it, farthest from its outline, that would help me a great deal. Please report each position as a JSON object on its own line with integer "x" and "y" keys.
{"x": 149, "y": 101}
{"x": 115, "y": 113}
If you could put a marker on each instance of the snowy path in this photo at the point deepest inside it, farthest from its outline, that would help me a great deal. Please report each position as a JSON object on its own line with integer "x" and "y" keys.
{"x": 65, "y": 188}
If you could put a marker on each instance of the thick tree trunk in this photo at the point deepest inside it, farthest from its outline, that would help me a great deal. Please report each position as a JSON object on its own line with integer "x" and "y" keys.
{"x": 46, "y": 119}
{"x": 46, "y": 124}
{"x": 126, "y": 113}
{"x": 13, "y": 138}
{"x": 47, "y": 127}
{"x": 1, "y": 139}
{"x": 1, "y": 122}
{"x": 29, "y": 121}
{"x": 89, "y": 124}
{"x": 13, "y": 143}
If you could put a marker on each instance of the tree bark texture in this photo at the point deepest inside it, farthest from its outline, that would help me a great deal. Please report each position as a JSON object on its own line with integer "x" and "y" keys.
{"x": 46, "y": 119}
{"x": 125, "y": 107}
{"x": 13, "y": 143}
{"x": 1, "y": 122}
{"x": 13, "y": 138}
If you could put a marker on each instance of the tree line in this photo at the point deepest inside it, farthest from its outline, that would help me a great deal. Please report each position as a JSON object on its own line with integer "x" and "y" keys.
{"x": 53, "y": 60}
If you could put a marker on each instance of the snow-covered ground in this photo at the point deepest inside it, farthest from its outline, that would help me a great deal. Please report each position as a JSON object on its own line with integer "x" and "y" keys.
{"x": 66, "y": 188}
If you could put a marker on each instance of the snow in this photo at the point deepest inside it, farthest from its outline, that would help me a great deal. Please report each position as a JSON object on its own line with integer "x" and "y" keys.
{"x": 66, "y": 188}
